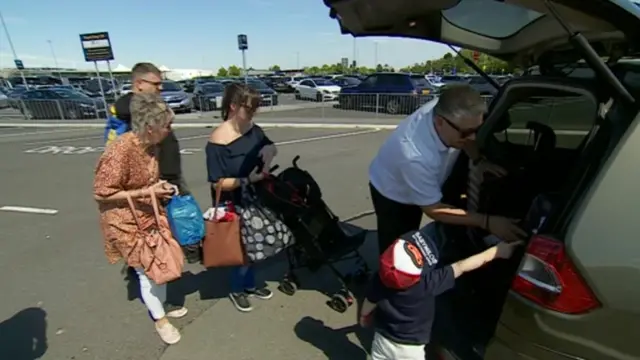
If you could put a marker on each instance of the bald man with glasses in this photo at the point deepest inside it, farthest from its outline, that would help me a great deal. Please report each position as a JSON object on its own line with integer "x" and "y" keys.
{"x": 407, "y": 174}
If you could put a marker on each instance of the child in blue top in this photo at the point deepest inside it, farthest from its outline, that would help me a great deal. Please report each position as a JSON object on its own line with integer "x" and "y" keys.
{"x": 404, "y": 290}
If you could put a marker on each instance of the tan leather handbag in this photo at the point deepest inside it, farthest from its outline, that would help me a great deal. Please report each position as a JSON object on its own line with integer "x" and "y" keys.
{"x": 222, "y": 244}
{"x": 160, "y": 254}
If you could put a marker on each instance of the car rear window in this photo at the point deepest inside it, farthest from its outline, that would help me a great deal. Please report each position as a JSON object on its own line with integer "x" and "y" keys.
{"x": 420, "y": 81}
{"x": 570, "y": 117}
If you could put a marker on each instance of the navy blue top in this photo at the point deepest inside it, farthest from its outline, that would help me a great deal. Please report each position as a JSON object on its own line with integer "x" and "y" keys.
{"x": 406, "y": 316}
{"x": 235, "y": 160}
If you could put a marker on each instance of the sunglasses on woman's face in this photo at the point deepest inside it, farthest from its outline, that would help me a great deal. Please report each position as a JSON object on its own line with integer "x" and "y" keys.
{"x": 464, "y": 133}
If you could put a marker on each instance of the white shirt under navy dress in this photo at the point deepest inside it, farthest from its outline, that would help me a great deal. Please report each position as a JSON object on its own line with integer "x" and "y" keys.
{"x": 408, "y": 173}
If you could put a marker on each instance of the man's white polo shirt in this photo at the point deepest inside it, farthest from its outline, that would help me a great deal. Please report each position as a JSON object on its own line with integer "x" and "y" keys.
{"x": 413, "y": 162}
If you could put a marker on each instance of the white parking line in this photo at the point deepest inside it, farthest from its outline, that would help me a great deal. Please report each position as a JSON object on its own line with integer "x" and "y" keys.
{"x": 29, "y": 210}
{"x": 39, "y": 132}
{"x": 56, "y": 141}
{"x": 326, "y": 137}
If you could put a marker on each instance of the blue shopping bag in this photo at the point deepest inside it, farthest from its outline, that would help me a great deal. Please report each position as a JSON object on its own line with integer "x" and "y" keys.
{"x": 186, "y": 219}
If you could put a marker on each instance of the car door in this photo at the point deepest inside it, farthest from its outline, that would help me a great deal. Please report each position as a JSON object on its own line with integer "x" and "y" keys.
{"x": 304, "y": 88}
{"x": 38, "y": 105}
{"x": 197, "y": 97}
{"x": 365, "y": 96}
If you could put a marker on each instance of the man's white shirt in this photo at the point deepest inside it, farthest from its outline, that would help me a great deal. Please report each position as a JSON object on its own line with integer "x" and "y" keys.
{"x": 413, "y": 162}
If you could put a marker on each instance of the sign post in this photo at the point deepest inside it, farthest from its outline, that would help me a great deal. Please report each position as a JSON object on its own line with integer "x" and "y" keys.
{"x": 97, "y": 47}
{"x": 243, "y": 46}
{"x": 19, "y": 64}
{"x": 113, "y": 82}
{"x": 345, "y": 64}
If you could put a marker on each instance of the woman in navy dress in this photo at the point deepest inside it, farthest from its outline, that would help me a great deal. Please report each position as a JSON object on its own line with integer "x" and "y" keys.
{"x": 237, "y": 153}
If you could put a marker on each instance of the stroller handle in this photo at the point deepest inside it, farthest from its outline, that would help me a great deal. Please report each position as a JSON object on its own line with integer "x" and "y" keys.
{"x": 274, "y": 168}
{"x": 295, "y": 161}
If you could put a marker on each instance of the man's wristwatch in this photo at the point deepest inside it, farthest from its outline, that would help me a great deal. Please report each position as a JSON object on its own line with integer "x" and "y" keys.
{"x": 244, "y": 181}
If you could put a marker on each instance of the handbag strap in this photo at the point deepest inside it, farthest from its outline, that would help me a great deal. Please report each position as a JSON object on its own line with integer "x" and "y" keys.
{"x": 218, "y": 188}
{"x": 154, "y": 203}
{"x": 133, "y": 210}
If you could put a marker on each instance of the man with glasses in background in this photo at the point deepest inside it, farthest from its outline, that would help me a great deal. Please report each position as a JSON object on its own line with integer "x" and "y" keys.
{"x": 406, "y": 176}
{"x": 147, "y": 78}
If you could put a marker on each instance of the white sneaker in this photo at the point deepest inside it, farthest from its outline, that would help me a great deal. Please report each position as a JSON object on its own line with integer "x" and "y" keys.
{"x": 168, "y": 333}
{"x": 175, "y": 312}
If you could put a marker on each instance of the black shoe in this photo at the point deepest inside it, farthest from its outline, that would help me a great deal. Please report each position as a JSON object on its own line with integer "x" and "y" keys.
{"x": 241, "y": 301}
{"x": 263, "y": 293}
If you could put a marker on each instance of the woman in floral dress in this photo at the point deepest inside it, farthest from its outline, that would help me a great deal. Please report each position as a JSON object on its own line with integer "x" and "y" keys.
{"x": 129, "y": 168}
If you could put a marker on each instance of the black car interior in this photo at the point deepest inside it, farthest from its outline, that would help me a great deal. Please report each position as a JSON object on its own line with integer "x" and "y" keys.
{"x": 548, "y": 133}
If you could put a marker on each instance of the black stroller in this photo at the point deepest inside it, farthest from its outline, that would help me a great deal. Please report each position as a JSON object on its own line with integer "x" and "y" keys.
{"x": 319, "y": 238}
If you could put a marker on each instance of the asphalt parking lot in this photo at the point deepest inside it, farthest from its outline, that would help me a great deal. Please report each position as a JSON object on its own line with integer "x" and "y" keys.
{"x": 60, "y": 292}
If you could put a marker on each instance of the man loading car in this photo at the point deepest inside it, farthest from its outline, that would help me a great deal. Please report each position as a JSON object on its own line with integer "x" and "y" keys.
{"x": 406, "y": 176}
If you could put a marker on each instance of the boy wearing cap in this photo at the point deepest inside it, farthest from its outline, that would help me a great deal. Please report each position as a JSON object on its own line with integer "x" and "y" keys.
{"x": 403, "y": 293}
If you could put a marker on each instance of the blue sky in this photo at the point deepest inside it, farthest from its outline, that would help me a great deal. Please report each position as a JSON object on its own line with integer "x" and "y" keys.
{"x": 195, "y": 34}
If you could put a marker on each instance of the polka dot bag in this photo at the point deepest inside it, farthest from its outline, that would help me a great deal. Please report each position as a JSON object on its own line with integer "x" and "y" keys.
{"x": 263, "y": 232}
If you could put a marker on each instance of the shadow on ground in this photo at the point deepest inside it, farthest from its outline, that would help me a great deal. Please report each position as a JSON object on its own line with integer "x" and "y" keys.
{"x": 214, "y": 284}
{"x": 24, "y": 335}
{"x": 332, "y": 342}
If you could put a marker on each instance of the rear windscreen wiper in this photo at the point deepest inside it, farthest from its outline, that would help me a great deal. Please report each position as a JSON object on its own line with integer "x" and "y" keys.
{"x": 477, "y": 69}
{"x": 590, "y": 55}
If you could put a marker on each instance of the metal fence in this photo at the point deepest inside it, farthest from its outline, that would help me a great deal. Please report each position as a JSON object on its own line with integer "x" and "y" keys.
{"x": 351, "y": 107}
{"x": 90, "y": 109}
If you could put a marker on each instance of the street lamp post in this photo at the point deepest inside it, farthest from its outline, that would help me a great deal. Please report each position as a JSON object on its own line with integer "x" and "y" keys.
{"x": 55, "y": 59}
{"x": 375, "y": 54}
{"x": 15, "y": 56}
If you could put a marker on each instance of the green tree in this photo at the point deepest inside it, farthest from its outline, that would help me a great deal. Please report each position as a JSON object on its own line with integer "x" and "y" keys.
{"x": 234, "y": 71}
{"x": 222, "y": 72}
{"x": 274, "y": 68}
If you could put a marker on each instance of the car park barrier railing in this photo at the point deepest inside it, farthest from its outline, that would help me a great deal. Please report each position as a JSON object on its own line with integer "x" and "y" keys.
{"x": 213, "y": 102}
{"x": 62, "y": 109}
{"x": 357, "y": 107}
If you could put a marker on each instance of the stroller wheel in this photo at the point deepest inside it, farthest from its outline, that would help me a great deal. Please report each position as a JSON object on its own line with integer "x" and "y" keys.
{"x": 340, "y": 302}
{"x": 288, "y": 287}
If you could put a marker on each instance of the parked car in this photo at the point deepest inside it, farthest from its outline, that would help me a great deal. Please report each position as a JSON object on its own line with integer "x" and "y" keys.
{"x": 346, "y": 81}
{"x": 392, "y": 92}
{"x": 187, "y": 85}
{"x": 4, "y": 98}
{"x": 60, "y": 104}
{"x": 175, "y": 96}
{"x": 208, "y": 96}
{"x": 15, "y": 94}
{"x": 482, "y": 85}
{"x": 125, "y": 89}
{"x": 279, "y": 84}
{"x": 452, "y": 79}
{"x": 269, "y": 96}
{"x": 571, "y": 292}
{"x": 317, "y": 89}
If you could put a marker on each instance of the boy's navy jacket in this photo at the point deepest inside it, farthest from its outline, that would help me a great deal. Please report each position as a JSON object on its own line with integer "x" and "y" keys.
{"x": 406, "y": 316}
{"x": 119, "y": 122}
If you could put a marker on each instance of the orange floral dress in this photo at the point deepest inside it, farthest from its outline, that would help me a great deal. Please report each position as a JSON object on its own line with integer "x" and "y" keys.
{"x": 124, "y": 165}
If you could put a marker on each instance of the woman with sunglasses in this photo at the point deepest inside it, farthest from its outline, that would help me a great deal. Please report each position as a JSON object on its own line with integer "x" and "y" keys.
{"x": 237, "y": 153}
{"x": 406, "y": 176}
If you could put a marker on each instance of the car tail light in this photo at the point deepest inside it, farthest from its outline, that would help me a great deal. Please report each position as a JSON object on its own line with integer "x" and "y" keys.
{"x": 549, "y": 278}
